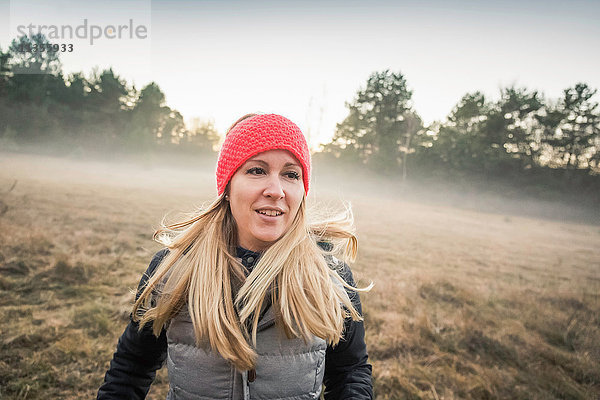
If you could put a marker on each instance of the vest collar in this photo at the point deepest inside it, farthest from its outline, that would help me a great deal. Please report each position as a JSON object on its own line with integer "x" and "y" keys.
{"x": 248, "y": 257}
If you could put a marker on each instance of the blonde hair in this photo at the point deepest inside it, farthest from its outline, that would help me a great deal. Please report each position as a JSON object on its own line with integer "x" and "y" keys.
{"x": 201, "y": 272}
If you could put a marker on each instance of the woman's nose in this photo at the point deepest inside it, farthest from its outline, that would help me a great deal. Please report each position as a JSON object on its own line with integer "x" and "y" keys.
{"x": 274, "y": 188}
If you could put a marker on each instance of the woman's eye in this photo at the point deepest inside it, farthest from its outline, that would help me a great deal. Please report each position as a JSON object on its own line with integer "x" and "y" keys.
{"x": 255, "y": 171}
{"x": 293, "y": 175}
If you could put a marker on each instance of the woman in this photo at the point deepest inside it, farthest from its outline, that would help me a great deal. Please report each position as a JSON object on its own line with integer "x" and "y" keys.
{"x": 247, "y": 300}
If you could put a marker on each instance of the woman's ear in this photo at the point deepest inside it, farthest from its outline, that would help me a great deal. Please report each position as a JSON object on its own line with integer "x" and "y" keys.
{"x": 226, "y": 191}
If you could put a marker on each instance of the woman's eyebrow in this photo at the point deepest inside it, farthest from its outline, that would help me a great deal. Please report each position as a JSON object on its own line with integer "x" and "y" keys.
{"x": 258, "y": 161}
{"x": 288, "y": 164}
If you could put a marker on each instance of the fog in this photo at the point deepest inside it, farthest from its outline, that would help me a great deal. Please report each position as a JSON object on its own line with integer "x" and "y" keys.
{"x": 191, "y": 180}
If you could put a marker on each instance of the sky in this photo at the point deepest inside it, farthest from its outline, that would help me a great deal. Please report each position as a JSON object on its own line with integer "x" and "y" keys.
{"x": 218, "y": 60}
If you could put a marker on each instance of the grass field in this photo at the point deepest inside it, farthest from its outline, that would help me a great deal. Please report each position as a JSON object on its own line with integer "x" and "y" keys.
{"x": 474, "y": 298}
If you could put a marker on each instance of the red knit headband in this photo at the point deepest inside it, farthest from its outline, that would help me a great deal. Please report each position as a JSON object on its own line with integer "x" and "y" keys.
{"x": 257, "y": 134}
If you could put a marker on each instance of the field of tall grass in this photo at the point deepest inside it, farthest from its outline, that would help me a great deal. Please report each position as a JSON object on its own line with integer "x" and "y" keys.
{"x": 475, "y": 298}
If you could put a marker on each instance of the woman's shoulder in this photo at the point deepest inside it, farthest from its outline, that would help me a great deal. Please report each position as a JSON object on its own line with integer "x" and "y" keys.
{"x": 154, "y": 263}
{"x": 343, "y": 270}
{"x": 336, "y": 264}
{"x": 156, "y": 260}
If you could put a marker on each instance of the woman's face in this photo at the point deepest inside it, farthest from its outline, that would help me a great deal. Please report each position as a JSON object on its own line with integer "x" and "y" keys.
{"x": 265, "y": 194}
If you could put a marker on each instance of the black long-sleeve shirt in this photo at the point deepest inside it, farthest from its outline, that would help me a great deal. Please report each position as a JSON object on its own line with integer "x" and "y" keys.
{"x": 140, "y": 354}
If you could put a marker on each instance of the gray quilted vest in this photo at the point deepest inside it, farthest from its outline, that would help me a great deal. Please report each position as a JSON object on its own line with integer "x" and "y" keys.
{"x": 285, "y": 369}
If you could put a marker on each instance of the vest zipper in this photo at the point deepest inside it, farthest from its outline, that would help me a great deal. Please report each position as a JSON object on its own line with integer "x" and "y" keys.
{"x": 247, "y": 378}
{"x": 245, "y": 385}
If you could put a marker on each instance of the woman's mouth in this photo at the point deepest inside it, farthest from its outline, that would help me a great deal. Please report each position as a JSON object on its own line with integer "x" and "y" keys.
{"x": 270, "y": 213}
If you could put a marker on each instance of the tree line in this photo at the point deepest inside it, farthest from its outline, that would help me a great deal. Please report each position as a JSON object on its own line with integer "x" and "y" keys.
{"x": 41, "y": 105}
{"x": 521, "y": 135}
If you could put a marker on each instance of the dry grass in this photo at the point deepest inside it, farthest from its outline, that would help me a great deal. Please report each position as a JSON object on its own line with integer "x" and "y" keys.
{"x": 467, "y": 304}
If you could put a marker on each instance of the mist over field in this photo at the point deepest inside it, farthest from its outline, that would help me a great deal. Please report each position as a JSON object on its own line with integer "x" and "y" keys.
{"x": 480, "y": 292}
{"x": 193, "y": 175}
